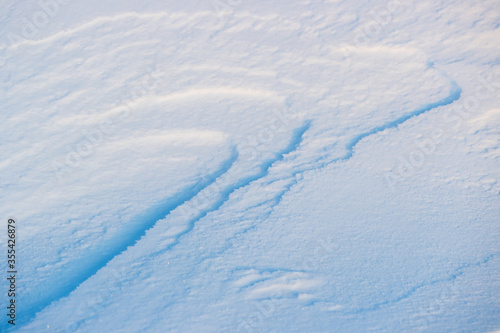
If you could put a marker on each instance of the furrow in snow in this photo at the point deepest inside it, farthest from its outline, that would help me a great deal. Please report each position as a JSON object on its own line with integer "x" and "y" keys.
{"x": 132, "y": 233}
{"x": 455, "y": 93}
{"x": 74, "y": 274}
{"x": 226, "y": 191}
{"x": 458, "y": 272}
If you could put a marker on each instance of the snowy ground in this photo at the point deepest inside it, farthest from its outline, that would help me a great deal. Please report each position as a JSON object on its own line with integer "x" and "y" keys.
{"x": 252, "y": 166}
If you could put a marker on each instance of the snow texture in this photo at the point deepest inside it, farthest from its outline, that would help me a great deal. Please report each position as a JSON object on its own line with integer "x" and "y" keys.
{"x": 237, "y": 166}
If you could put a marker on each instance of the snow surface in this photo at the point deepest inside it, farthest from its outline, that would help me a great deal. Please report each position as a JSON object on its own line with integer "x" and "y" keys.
{"x": 263, "y": 166}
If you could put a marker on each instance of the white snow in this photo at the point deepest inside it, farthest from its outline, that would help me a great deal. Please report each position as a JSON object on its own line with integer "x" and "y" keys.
{"x": 237, "y": 166}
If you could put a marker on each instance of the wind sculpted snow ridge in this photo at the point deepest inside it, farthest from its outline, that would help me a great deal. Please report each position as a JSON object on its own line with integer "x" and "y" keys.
{"x": 226, "y": 191}
{"x": 454, "y": 95}
{"x": 98, "y": 258}
{"x": 82, "y": 269}
{"x": 137, "y": 228}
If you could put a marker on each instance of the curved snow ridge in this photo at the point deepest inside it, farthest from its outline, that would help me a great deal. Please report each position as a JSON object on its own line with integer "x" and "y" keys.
{"x": 457, "y": 273}
{"x": 185, "y": 96}
{"x": 227, "y": 190}
{"x": 137, "y": 228}
{"x": 82, "y": 269}
{"x": 454, "y": 95}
